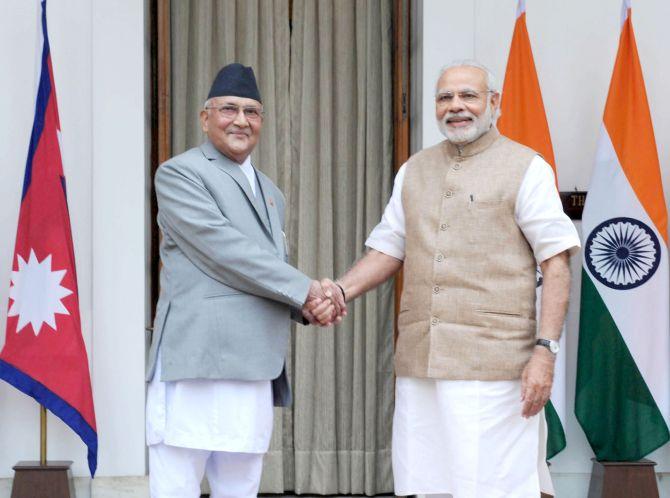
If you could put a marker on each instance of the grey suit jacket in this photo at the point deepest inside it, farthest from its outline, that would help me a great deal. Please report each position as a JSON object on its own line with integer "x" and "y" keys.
{"x": 226, "y": 290}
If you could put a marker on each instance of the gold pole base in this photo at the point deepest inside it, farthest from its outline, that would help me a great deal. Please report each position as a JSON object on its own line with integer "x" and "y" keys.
{"x": 32, "y": 480}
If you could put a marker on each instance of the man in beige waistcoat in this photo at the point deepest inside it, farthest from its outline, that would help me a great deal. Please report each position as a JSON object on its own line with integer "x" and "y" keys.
{"x": 469, "y": 220}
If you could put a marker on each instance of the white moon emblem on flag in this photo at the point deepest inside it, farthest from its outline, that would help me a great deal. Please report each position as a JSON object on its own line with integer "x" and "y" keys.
{"x": 37, "y": 293}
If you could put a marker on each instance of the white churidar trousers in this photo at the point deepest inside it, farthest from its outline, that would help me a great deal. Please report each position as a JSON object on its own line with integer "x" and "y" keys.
{"x": 176, "y": 472}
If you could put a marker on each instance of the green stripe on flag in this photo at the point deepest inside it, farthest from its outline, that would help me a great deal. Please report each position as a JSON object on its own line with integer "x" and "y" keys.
{"x": 555, "y": 433}
{"x": 613, "y": 403}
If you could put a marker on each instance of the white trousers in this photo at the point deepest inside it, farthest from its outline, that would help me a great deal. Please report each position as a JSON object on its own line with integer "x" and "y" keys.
{"x": 176, "y": 472}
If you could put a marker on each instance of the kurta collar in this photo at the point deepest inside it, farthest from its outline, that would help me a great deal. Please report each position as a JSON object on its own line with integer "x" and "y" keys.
{"x": 472, "y": 148}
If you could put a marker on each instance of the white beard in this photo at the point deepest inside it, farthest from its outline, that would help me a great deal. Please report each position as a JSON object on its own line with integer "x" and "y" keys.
{"x": 476, "y": 129}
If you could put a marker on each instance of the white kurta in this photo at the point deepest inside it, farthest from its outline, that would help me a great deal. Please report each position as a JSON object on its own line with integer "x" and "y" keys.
{"x": 215, "y": 415}
{"x": 465, "y": 438}
{"x": 468, "y": 438}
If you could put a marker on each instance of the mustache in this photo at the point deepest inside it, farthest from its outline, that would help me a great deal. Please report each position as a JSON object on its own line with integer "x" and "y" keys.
{"x": 462, "y": 114}
{"x": 239, "y": 130}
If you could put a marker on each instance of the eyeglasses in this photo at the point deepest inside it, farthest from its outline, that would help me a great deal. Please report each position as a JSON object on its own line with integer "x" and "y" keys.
{"x": 231, "y": 111}
{"x": 467, "y": 96}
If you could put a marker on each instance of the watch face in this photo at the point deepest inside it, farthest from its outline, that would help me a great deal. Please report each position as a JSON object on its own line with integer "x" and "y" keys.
{"x": 554, "y": 347}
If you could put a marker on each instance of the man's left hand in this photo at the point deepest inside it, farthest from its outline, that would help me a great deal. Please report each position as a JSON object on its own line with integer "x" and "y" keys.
{"x": 536, "y": 381}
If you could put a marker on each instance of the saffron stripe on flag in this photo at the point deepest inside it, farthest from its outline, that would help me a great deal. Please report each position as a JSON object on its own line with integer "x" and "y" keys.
{"x": 628, "y": 122}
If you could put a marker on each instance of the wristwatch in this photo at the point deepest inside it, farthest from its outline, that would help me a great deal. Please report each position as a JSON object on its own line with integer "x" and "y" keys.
{"x": 552, "y": 346}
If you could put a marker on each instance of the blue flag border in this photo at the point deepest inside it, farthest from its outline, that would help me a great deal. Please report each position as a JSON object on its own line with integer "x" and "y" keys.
{"x": 43, "y": 94}
{"x": 56, "y": 405}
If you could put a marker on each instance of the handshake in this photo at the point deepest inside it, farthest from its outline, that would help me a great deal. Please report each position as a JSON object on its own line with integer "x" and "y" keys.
{"x": 325, "y": 304}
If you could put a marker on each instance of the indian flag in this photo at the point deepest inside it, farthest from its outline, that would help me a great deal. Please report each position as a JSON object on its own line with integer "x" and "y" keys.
{"x": 623, "y": 364}
{"x": 523, "y": 120}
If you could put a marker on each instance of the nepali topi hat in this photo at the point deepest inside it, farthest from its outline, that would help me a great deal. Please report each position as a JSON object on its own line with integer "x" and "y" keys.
{"x": 235, "y": 80}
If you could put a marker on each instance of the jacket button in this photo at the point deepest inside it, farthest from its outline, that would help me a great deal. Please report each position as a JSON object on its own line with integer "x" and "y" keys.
{"x": 457, "y": 166}
{"x": 434, "y": 321}
{"x": 439, "y": 258}
{"x": 448, "y": 194}
{"x": 436, "y": 290}
{"x": 443, "y": 226}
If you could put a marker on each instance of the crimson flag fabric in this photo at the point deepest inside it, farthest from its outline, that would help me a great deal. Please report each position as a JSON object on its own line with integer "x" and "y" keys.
{"x": 44, "y": 355}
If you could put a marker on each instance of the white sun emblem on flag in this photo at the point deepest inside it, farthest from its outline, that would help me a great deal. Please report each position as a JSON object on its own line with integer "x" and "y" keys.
{"x": 37, "y": 293}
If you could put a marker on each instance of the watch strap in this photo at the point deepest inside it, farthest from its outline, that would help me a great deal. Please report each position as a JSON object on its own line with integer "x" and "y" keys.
{"x": 550, "y": 345}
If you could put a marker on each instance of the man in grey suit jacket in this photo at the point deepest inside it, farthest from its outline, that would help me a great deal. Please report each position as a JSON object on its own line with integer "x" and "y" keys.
{"x": 217, "y": 359}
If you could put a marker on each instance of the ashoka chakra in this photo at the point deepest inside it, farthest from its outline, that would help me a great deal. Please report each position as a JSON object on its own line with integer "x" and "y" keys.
{"x": 622, "y": 253}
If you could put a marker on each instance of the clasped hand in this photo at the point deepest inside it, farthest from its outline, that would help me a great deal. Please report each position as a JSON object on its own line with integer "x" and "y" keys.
{"x": 325, "y": 304}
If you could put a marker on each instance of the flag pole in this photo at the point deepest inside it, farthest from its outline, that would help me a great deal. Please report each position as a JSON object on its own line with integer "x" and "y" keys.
{"x": 43, "y": 436}
{"x": 31, "y": 478}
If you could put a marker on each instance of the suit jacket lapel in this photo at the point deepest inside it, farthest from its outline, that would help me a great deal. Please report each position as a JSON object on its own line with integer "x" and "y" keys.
{"x": 233, "y": 169}
{"x": 273, "y": 214}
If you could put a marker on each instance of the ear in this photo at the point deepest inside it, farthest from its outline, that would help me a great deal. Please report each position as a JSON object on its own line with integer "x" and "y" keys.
{"x": 204, "y": 120}
{"x": 495, "y": 101}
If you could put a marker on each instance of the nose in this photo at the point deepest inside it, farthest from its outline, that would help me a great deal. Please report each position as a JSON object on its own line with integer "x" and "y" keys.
{"x": 456, "y": 104}
{"x": 241, "y": 119}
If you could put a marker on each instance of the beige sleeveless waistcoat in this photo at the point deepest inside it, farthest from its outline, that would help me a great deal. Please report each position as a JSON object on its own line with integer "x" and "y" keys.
{"x": 468, "y": 304}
